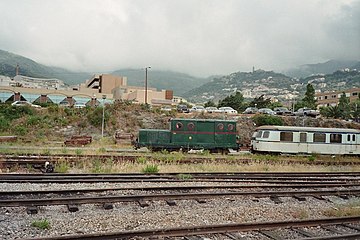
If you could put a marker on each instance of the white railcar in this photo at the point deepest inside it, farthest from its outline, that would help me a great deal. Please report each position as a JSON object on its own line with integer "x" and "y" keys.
{"x": 306, "y": 140}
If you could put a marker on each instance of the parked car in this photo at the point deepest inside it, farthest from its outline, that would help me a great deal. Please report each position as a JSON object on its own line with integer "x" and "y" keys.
{"x": 307, "y": 112}
{"x": 64, "y": 104}
{"x": 250, "y": 110}
{"x": 182, "y": 108}
{"x": 267, "y": 111}
{"x": 228, "y": 110}
{"x": 282, "y": 111}
{"x": 197, "y": 109}
{"x": 25, "y": 103}
{"x": 212, "y": 110}
{"x": 166, "y": 108}
{"x": 79, "y": 105}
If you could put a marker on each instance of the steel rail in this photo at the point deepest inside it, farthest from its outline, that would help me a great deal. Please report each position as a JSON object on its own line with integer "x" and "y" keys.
{"x": 209, "y": 229}
{"x": 171, "y": 188}
{"x": 181, "y": 196}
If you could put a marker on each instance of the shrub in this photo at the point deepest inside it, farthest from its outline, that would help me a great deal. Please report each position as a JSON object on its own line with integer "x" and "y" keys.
{"x": 151, "y": 169}
{"x": 20, "y": 130}
{"x": 261, "y": 120}
{"x": 141, "y": 160}
{"x": 4, "y": 123}
{"x": 41, "y": 224}
{"x": 78, "y": 151}
{"x": 61, "y": 167}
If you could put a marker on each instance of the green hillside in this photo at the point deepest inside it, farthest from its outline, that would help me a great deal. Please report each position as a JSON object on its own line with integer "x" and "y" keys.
{"x": 28, "y": 67}
{"x": 178, "y": 82}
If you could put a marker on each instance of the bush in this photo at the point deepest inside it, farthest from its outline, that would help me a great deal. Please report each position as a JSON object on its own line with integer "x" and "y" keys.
{"x": 151, "y": 169}
{"x": 20, "y": 130}
{"x": 4, "y": 124}
{"x": 41, "y": 224}
{"x": 261, "y": 120}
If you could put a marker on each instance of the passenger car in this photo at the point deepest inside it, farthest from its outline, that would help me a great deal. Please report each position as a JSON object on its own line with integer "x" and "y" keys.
{"x": 250, "y": 110}
{"x": 306, "y": 140}
{"x": 79, "y": 105}
{"x": 306, "y": 112}
{"x": 228, "y": 110}
{"x": 25, "y": 103}
{"x": 197, "y": 109}
{"x": 212, "y": 109}
{"x": 282, "y": 111}
{"x": 267, "y": 111}
{"x": 182, "y": 108}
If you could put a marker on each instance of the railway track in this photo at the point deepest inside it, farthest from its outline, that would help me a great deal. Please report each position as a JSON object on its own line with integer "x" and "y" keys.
{"x": 11, "y": 160}
{"x": 339, "y": 228}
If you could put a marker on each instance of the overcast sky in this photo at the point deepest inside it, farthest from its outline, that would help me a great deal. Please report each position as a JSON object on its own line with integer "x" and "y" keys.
{"x": 198, "y": 37}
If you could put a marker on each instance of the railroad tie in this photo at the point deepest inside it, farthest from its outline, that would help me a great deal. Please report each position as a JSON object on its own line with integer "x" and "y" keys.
{"x": 143, "y": 203}
{"x": 275, "y": 199}
{"x": 108, "y": 206}
{"x": 171, "y": 202}
{"x": 300, "y": 198}
{"x": 303, "y": 232}
{"x": 270, "y": 234}
{"x": 73, "y": 207}
{"x": 32, "y": 210}
{"x": 333, "y": 230}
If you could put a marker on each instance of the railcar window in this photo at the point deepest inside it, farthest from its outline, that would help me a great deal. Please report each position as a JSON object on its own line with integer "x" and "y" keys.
{"x": 319, "y": 137}
{"x": 191, "y": 126}
{"x": 266, "y": 134}
{"x": 353, "y": 137}
{"x": 335, "y": 138}
{"x": 348, "y": 137}
{"x": 179, "y": 125}
{"x": 302, "y": 137}
{"x": 286, "y": 136}
{"x": 259, "y": 133}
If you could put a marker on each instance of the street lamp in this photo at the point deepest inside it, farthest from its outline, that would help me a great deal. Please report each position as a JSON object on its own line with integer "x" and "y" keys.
{"x": 103, "y": 116}
{"x": 146, "y": 74}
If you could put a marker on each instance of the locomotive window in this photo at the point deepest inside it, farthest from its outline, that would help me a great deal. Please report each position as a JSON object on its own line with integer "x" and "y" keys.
{"x": 335, "y": 138}
{"x": 353, "y": 137}
{"x": 266, "y": 134}
{"x": 349, "y": 137}
{"x": 286, "y": 136}
{"x": 220, "y": 126}
{"x": 191, "y": 126}
{"x": 259, "y": 133}
{"x": 319, "y": 137}
{"x": 230, "y": 127}
{"x": 179, "y": 125}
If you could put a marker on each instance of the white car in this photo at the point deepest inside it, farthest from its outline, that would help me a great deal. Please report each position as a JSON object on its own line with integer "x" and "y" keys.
{"x": 79, "y": 105}
{"x": 25, "y": 103}
{"x": 197, "y": 109}
{"x": 228, "y": 110}
{"x": 212, "y": 110}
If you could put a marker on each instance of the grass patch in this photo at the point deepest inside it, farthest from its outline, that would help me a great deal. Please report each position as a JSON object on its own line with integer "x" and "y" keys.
{"x": 183, "y": 176}
{"x": 300, "y": 214}
{"x": 41, "y": 224}
{"x": 350, "y": 209}
{"x": 141, "y": 160}
{"x": 62, "y": 167}
{"x": 150, "y": 169}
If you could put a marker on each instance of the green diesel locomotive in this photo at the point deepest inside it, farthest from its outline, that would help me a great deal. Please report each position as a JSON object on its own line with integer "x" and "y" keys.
{"x": 186, "y": 134}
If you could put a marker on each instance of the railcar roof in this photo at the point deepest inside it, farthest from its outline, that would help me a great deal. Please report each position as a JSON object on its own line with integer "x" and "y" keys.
{"x": 308, "y": 129}
{"x": 202, "y": 120}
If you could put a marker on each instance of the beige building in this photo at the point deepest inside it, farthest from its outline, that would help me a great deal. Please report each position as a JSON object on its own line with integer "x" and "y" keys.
{"x": 332, "y": 98}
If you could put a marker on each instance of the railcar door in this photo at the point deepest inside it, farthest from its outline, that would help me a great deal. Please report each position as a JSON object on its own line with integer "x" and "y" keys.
{"x": 301, "y": 140}
{"x": 350, "y": 142}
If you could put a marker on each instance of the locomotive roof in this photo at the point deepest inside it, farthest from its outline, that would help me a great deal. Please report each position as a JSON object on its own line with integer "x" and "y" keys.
{"x": 202, "y": 120}
{"x": 309, "y": 129}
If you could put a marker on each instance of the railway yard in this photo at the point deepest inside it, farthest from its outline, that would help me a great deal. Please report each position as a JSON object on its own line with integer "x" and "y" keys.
{"x": 186, "y": 199}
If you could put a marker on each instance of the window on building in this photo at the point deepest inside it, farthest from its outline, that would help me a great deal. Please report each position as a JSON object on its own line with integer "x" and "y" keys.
{"x": 354, "y": 93}
{"x": 319, "y": 137}
{"x": 286, "y": 136}
{"x": 319, "y": 98}
{"x": 333, "y": 96}
{"x": 335, "y": 138}
{"x": 325, "y": 97}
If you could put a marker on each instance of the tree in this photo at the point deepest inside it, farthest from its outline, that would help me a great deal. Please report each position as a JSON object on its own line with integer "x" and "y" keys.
{"x": 235, "y": 101}
{"x": 355, "y": 110}
{"x": 331, "y": 112}
{"x": 210, "y": 104}
{"x": 309, "y": 99}
{"x": 260, "y": 102}
{"x": 344, "y": 106}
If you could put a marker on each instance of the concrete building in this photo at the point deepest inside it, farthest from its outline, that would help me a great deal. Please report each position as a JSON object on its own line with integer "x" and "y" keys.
{"x": 326, "y": 99}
